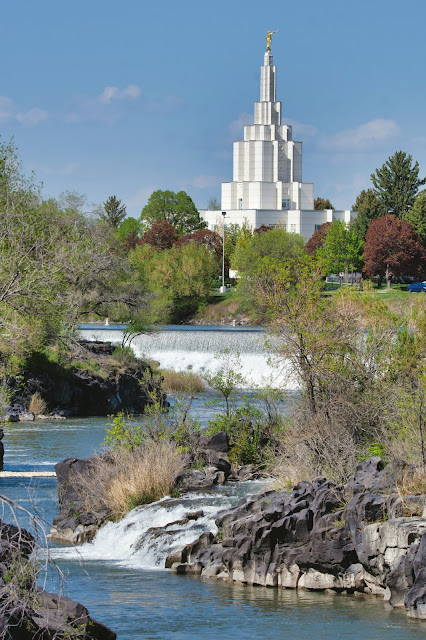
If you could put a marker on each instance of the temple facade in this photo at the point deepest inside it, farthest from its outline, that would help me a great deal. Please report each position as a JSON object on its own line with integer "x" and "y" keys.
{"x": 267, "y": 186}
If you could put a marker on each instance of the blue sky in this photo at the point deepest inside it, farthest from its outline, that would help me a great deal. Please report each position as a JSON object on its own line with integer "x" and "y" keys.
{"x": 127, "y": 97}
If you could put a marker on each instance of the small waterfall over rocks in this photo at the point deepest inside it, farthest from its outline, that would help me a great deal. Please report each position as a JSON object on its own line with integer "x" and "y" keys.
{"x": 148, "y": 534}
{"x": 195, "y": 348}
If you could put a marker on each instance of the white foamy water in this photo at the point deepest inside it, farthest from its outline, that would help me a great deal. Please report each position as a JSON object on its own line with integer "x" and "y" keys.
{"x": 149, "y": 533}
{"x": 196, "y": 350}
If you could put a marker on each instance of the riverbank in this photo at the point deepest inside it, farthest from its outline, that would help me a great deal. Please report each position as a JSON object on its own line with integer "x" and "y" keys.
{"x": 120, "y": 576}
{"x": 362, "y": 537}
{"x": 98, "y": 379}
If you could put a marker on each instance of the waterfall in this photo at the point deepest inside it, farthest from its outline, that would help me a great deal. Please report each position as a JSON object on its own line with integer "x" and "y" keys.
{"x": 145, "y": 536}
{"x": 196, "y": 349}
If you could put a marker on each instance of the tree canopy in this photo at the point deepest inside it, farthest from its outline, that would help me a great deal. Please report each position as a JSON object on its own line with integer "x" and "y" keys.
{"x": 176, "y": 208}
{"x": 162, "y": 235}
{"x": 56, "y": 265}
{"x": 340, "y": 251}
{"x": 206, "y": 238}
{"x": 178, "y": 279}
{"x": 417, "y": 215}
{"x": 392, "y": 248}
{"x": 396, "y": 183}
{"x": 322, "y": 203}
{"x": 264, "y": 250}
{"x": 369, "y": 207}
{"x": 317, "y": 239}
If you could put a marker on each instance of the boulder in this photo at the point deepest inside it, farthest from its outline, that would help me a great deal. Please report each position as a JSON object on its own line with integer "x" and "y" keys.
{"x": 46, "y": 615}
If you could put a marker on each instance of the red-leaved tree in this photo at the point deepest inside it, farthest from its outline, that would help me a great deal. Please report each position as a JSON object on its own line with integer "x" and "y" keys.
{"x": 205, "y": 237}
{"x": 162, "y": 235}
{"x": 317, "y": 240}
{"x": 392, "y": 248}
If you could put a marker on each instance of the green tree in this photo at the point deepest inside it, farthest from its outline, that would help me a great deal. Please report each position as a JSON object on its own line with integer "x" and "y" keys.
{"x": 320, "y": 204}
{"x": 396, "y": 183}
{"x": 268, "y": 248}
{"x": 369, "y": 207}
{"x": 113, "y": 212}
{"x": 176, "y": 208}
{"x": 129, "y": 232}
{"x": 417, "y": 215}
{"x": 228, "y": 378}
{"x": 55, "y": 265}
{"x": 340, "y": 251}
{"x": 179, "y": 279}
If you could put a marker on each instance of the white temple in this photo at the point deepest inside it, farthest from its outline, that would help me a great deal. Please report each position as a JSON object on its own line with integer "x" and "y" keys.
{"x": 267, "y": 187}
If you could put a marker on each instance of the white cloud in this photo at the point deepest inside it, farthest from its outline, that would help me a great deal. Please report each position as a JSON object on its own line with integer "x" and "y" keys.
{"x": 32, "y": 117}
{"x": 6, "y": 108}
{"x": 236, "y": 126}
{"x": 114, "y": 93}
{"x": 364, "y": 136}
{"x": 8, "y": 111}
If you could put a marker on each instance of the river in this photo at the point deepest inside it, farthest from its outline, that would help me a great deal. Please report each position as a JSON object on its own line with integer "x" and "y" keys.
{"x": 120, "y": 576}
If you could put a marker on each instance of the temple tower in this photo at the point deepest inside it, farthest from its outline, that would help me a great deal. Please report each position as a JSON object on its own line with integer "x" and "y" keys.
{"x": 267, "y": 163}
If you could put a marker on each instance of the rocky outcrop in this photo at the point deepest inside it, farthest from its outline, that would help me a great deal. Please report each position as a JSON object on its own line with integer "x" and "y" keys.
{"x": 99, "y": 386}
{"x": 26, "y": 610}
{"x": 75, "y": 525}
{"x": 349, "y": 538}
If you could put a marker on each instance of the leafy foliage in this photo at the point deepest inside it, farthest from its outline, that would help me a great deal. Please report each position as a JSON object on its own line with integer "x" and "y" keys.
{"x": 162, "y": 235}
{"x": 228, "y": 378}
{"x": 177, "y": 208}
{"x": 392, "y": 248}
{"x": 341, "y": 249}
{"x": 317, "y": 239}
{"x": 178, "y": 278}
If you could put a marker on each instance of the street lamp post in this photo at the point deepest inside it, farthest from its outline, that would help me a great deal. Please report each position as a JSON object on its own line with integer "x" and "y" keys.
{"x": 223, "y": 288}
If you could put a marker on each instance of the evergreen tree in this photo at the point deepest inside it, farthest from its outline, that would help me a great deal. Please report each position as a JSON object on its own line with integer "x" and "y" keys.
{"x": 320, "y": 204}
{"x": 396, "y": 183}
{"x": 113, "y": 212}
{"x": 369, "y": 207}
{"x": 417, "y": 215}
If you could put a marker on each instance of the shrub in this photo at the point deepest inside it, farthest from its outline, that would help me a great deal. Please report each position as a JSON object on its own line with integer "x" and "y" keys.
{"x": 182, "y": 382}
{"x": 124, "y": 355}
{"x": 248, "y": 432}
{"x": 125, "y": 478}
{"x": 37, "y": 404}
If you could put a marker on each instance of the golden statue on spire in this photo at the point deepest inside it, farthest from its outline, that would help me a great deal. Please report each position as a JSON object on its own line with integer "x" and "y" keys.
{"x": 269, "y": 40}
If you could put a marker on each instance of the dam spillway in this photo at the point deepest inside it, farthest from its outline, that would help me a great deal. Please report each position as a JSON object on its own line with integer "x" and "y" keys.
{"x": 198, "y": 348}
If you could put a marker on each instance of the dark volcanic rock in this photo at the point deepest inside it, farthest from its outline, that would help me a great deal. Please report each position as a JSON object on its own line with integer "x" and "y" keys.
{"x": 33, "y": 612}
{"x": 320, "y": 536}
{"x": 75, "y": 524}
{"x": 83, "y": 392}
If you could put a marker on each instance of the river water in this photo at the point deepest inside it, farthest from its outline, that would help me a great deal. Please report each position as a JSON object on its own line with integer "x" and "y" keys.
{"x": 120, "y": 576}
